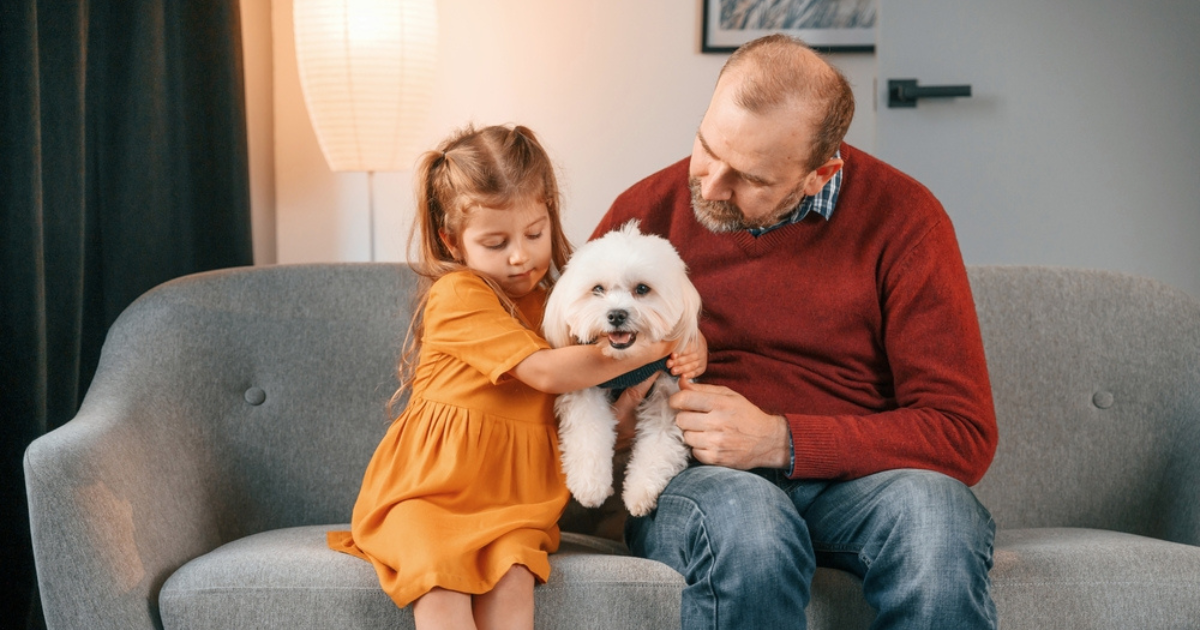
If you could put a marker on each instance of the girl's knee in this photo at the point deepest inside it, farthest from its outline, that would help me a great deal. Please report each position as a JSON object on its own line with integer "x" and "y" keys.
{"x": 510, "y": 602}
{"x": 442, "y": 608}
{"x": 517, "y": 579}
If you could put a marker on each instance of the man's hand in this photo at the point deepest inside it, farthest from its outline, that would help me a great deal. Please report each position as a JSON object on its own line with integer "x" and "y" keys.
{"x": 725, "y": 429}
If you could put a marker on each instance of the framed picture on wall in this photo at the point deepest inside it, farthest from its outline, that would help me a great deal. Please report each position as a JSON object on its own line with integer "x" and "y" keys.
{"x": 826, "y": 25}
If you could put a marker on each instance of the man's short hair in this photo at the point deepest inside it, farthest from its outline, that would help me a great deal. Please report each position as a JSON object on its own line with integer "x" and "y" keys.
{"x": 778, "y": 70}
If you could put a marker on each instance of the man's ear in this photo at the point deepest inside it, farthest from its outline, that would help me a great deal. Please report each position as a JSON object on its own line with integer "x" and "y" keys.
{"x": 825, "y": 172}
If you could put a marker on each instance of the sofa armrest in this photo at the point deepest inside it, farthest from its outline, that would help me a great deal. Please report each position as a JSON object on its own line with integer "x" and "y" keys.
{"x": 225, "y": 403}
{"x": 114, "y": 510}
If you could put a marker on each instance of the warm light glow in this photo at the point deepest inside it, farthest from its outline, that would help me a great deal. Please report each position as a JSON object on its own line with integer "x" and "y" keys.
{"x": 367, "y": 69}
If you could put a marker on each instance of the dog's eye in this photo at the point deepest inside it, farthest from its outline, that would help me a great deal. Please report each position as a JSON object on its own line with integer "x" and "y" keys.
{"x": 598, "y": 289}
{"x": 641, "y": 289}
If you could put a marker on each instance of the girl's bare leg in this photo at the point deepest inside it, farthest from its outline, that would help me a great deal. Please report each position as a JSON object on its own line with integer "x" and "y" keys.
{"x": 508, "y": 606}
{"x": 440, "y": 609}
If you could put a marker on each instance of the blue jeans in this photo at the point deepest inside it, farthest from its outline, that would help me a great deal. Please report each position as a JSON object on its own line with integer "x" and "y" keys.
{"x": 748, "y": 542}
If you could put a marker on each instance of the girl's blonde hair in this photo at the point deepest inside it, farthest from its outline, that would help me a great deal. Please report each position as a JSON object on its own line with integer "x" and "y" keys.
{"x": 493, "y": 167}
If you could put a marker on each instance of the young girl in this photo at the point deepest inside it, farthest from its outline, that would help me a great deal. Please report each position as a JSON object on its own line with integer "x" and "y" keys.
{"x": 459, "y": 505}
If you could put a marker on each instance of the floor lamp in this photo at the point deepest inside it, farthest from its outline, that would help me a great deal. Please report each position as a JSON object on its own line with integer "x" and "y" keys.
{"x": 367, "y": 70}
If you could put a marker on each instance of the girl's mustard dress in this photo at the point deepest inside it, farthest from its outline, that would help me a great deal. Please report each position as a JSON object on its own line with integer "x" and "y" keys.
{"x": 466, "y": 483}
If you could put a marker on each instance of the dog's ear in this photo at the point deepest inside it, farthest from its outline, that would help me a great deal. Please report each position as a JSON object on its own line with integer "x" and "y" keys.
{"x": 554, "y": 322}
{"x": 688, "y": 328}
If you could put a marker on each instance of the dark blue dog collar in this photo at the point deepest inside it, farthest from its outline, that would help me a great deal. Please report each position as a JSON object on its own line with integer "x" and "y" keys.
{"x": 633, "y": 377}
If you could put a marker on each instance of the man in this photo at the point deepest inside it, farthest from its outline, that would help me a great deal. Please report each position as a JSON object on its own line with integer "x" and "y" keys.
{"x": 846, "y": 407}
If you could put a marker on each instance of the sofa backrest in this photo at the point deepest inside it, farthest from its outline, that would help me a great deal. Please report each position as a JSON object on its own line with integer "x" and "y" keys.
{"x": 275, "y": 378}
{"x": 1096, "y": 378}
{"x": 279, "y": 377}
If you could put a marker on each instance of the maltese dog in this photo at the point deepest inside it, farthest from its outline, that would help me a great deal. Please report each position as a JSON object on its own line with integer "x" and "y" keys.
{"x": 625, "y": 285}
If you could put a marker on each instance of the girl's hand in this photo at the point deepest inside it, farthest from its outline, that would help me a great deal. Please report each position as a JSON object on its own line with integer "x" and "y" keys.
{"x": 570, "y": 368}
{"x": 690, "y": 362}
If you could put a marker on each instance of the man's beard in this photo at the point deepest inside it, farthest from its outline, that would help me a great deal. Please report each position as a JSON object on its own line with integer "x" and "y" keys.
{"x": 725, "y": 216}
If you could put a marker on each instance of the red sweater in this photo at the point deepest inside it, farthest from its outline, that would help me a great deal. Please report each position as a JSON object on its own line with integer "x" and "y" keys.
{"x": 860, "y": 330}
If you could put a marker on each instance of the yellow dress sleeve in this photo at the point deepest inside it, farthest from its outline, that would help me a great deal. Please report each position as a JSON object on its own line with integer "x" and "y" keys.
{"x": 465, "y": 319}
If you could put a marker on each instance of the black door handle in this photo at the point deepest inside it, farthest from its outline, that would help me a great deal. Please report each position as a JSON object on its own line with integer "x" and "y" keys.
{"x": 905, "y": 92}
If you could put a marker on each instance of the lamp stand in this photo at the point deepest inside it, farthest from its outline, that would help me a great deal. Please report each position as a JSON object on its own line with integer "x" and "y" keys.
{"x": 371, "y": 210}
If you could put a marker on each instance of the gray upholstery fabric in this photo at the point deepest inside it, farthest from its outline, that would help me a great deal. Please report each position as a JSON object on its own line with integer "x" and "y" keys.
{"x": 287, "y": 578}
{"x": 1096, "y": 378}
{"x": 167, "y": 458}
{"x": 1044, "y": 578}
{"x": 1086, "y": 578}
{"x": 234, "y": 412}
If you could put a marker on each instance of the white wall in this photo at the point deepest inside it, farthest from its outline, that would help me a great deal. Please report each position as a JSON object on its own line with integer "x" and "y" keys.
{"x": 260, "y": 115}
{"x": 1079, "y": 146}
{"x": 614, "y": 88}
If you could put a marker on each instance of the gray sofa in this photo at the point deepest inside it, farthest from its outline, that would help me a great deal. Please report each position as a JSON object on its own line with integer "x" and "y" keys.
{"x": 234, "y": 412}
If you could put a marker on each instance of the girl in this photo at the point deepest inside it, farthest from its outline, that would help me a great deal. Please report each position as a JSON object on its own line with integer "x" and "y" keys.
{"x": 460, "y": 502}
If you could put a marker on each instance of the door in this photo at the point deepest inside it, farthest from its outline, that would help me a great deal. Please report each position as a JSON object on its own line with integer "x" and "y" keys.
{"x": 1080, "y": 142}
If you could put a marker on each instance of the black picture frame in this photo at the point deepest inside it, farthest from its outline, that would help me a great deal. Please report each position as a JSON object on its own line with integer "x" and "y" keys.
{"x": 825, "y": 25}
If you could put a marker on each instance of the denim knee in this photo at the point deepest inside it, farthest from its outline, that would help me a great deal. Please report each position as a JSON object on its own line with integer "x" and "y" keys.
{"x": 739, "y": 543}
{"x": 928, "y": 552}
{"x": 728, "y": 509}
{"x": 940, "y": 511}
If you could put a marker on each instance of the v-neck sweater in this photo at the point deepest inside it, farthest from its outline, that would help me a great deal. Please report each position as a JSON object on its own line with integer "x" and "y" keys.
{"x": 860, "y": 330}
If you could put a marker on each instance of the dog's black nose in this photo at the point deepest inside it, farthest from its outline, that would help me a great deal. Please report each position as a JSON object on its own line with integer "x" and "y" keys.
{"x": 616, "y": 317}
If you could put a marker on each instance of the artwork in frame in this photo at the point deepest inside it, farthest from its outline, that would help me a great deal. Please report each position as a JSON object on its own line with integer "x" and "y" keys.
{"x": 826, "y": 25}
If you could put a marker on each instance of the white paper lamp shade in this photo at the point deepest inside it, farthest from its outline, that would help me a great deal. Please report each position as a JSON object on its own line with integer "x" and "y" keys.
{"x": 367, "y": 70}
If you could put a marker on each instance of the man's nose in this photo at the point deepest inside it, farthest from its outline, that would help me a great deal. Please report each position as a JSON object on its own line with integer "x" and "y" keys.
{"x": 713, "y": 185}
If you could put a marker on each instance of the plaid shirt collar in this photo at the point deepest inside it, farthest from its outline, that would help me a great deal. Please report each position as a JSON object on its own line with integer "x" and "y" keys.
{"x": 821, "y": 203}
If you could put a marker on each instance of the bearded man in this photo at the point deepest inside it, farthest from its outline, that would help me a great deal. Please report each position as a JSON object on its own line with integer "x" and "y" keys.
{"x": 846, "y": 410}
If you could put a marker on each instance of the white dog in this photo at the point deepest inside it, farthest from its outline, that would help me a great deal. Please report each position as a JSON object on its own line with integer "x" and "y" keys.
{"x": 624, "y": 286}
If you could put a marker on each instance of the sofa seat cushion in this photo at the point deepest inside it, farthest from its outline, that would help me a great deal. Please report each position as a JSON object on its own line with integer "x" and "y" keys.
{"x": 288, "y": 578}
{"x": 1087, "y": 578}
{"x": 1043, "y": 578}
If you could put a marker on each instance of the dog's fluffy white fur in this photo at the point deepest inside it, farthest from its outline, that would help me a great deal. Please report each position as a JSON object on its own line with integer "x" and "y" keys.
{"x": 629, "y": 287}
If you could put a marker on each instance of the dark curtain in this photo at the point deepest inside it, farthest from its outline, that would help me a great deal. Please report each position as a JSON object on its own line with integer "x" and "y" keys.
{"x": 123, "y": 164}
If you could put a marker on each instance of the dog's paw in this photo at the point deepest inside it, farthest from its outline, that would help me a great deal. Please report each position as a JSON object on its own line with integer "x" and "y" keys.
{"x": 592, "y": 496}
{"x": 639, "y": 502}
